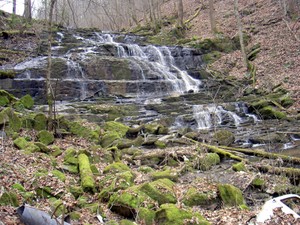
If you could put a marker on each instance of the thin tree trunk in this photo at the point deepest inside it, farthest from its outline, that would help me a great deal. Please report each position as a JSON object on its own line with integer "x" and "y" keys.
{"x": 28, "y": 10}
{"x": 180, "y": 13}
{"x": 14, "y": 7}
{"x": 49, "y": 90}
{"x": 212, "y": 17}
{"x": 240, "y": 28}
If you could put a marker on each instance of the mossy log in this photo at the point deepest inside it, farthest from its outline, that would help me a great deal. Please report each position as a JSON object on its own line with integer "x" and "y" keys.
{"x": 288, "y": 172}
{"x": 264, "y": 154}
{"x": 86, "y": 174}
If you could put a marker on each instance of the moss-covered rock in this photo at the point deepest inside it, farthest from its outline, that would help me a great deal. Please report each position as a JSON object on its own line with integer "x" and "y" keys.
{"x": 112, "y": 183}
{"x": 86, "y": 174}
{"x": 145, "y": 216}
{"x": 45, "y": 137}
{"x": 9, "y": 199}
{"x": 44, "y": 192}
{"x": 195, "y": 197}
{"x": 42, "y": 147}
{"x": 224, "y": 137}
{"x": 116, "y": 167}
{"x": 155, "y": 128}
{"x": 4, "y": 101}
{"x": 76, "y": 191}
{"x": 27, "y": 101}
{"x": 82, "y": 131}
{"x": 127, "y": 202}
{"x": 117, "y": 127}
{"x": 40, "y": 122}
{"x": 160, "y": 190}
{"x": 269, "y": 112}
{"x": 258, "y": 183}
{"x": 70, "y": 168}
{"x": 20, "y": 143}
{"x": 168, "y": 173}
{"x": 70, "y": 156}
{"x": 207, "y": 161}
{"x": 61, "y": 176}
{"x": 239, "y": 167}
{"x": 169, "y": 214}
{"x": 57, "y": 206}
{"x": 231, "y": 195}
{"x": 18, "y": 187}
{"x": 11, "y": 120}
{"x": 109, "y": 138}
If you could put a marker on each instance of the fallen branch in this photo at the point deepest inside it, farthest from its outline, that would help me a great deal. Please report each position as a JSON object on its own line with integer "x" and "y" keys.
{"x": 193, "y": 17}
{"x": 263, "y": 154}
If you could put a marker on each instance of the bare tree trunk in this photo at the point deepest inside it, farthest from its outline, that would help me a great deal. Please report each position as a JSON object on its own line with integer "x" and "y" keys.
{"x": 14, "y": 7}
{"x": 240, "y": 28}
{"x": 180, "y": 13}
{"x": 49, "y": 90}
{"x": 212, "y": 17}
{"x": 28, "y": 10}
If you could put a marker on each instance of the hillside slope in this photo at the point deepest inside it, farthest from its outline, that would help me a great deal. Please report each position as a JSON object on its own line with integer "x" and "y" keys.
{"x": 278, "y": 62}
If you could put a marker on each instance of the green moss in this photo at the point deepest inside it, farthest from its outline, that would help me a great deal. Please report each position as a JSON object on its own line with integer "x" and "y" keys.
{"x": 27, "y": 101}
{"x": 231, "y": 195}
{"x": 75, "y": 216}
{"x": 10, "y": 97}
{"x": 127, "y": 222}
{"x": 194, "y": 197}
{"x": 10, "y": 118}
{"x": 127, "y": 202}
{"x": 120, "y": 128}
{"x": 20, "y": 143}
{"x": 208, "y": 161}
{"x": 112, "y": 183}
{"x": 211, "y": 57}
{"x": 224, "y": 137}
{"x": 116, "y": 167}
{"x": 18, "y": 187}
{"x": 168, "y": 173}
{"x": 61, "y": 176}
{"x": 4, "y": 101}
{"x": 169, "y": 214}
{"x": 56, "y": 151}
{"x": 9, "y": 199}
{"x": 145, "y": 169}
{"x": 160, "y": 190}
{"x": 286, "y": 101}
{"x": 76, "y": 191}
{"x": 155, "y": 128}
{"x": 58, "y": 206}
{"x": 45, "y": 137}
{"x": 95, "y": 170}
{"x": 44, "y": 192}
{"x": 42, "y": 147}
{"x": 3, "y": 117}
{"x": 7, "y": 74}
{"x": 71, "y": 168}
{"x": 160, "y": 144}
{"x": 86, "y": 174}
{"x": 270, "y": 112}
{"x": 108, "y": 139}
{"x": 31, "y": 147}
{"x": 239, "y": 167}
{"x": 146, "y": 216}
{"x": 40, "y": 122}
{"x": 258, "y": 183}
{"x": 77, "y": 129}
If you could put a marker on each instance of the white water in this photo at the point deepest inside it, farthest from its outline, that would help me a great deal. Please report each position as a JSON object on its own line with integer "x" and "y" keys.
{"x": 208, "y": 116}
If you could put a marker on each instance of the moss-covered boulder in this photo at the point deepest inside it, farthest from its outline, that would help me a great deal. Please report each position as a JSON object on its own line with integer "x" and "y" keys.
{"x": 76, "y": 191}
{"x": 9, "y": 199}
{"x": 170, "y": 214}
{"x": 116, "y": 167}
{"x": 128, "y": 202}
{"x": 160, "y": 190}
{"x": 112, "y": 183}
{"x": 40, "y": 122}
{"x": 78, "y": 129}
{"x": 20, "y": 143}
{"x": 239, "y": 167}
{"x": 11, "y": 120}
{"x": 155, "y": 128}
{"x": 195, "y": 197}
{"x": 27, "y": 101}
{"x": 42, "y": 147}
{"x": 117, "y": 127}
{"x": 231, "y": 195}
{"x": 269, "y": 112}
{"x": 109, "y": 138}
{"x": 60, "y": 175}
{"x": 45, "y": 137}
{"x": 9, "y": 96}
{"x": 86, "y": 174}
{"x": 224, "y": 137}
{"x": 4, "y": 101}
{"x": 207, "y": 161}
{"x": 70, "y": 156}
{"x": 168, "y": 173}
{"x": 146, "y": 216}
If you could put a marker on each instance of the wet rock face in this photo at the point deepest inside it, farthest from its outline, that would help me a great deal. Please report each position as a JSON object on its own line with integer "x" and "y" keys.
{"x": 85, "y": 63}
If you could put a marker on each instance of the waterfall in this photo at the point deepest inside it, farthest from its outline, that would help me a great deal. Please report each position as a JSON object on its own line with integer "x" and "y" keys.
{"x": 159, "y": 60}
{"x": 208, "y": 116}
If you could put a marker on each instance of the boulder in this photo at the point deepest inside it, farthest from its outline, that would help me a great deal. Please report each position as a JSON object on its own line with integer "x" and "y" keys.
{"x": 45, "y": 137}
{"x": 231, "y": 195}
{"x": 224, "y": 137}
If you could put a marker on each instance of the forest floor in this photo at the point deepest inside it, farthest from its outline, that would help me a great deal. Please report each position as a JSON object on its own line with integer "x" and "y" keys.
{"x": 278, "y": 62}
